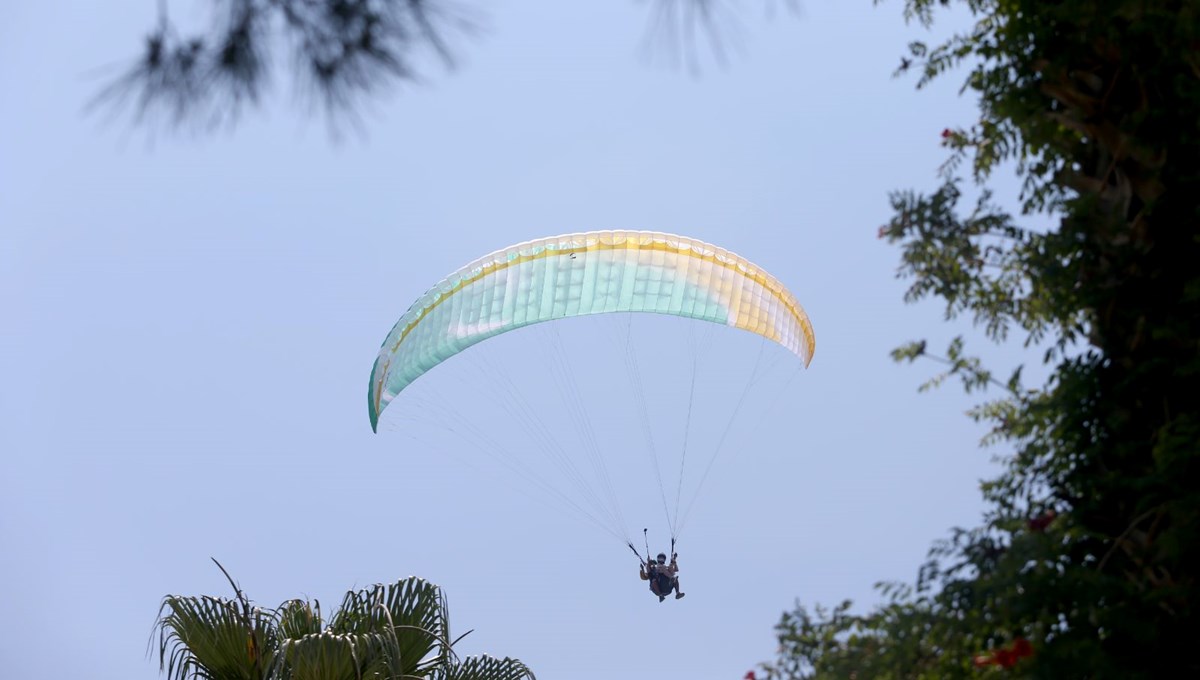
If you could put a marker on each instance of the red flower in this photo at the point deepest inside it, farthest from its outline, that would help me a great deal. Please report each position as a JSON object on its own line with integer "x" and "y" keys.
{"x": 947, "y": 133}
{"x": 750, "y": 676}
{"x": 984, "y": 660}
{"x": 1005, "y": 658}
{"x": 1042, "y": 521}
{"x": 1021, "y": 648}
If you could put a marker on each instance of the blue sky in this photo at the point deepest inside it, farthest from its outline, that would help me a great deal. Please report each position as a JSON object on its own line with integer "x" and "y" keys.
{"x": 189, "y": 324}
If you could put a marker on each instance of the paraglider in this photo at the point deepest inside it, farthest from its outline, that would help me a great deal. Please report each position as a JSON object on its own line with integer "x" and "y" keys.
{"x": 577, "y": 275}
{"x": 663, "y": 577}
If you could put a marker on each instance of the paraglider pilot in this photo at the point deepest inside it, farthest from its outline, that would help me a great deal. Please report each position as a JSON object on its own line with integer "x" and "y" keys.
{"x": 662, "y": 576}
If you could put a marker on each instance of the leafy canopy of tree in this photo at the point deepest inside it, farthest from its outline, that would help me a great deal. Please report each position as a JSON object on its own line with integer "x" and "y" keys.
{"x": 1087, "y": 560}
{"x": 342, "y": 52}
{"x": 381, "y": 632}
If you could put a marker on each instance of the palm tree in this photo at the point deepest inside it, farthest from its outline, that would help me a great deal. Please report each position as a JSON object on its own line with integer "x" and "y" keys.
{"x": 383, "y": 632}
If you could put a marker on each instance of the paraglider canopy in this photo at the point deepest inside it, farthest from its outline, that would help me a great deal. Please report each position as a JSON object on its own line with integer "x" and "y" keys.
{"x": 578, "y": 274}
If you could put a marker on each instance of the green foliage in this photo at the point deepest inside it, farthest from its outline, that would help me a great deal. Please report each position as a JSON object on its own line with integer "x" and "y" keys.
{"x": 210, "y": 637}
{"x": 382, "y": 632}
{"x": 342, "y": 53}
{"x": 1085, "y": 565}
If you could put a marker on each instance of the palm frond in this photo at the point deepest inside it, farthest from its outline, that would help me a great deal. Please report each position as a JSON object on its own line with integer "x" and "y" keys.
{"x": 298, "y": 618}
{"x": 412, "y": 610}
{"x": 398, "y": 631}
{"x": 209, "y": 638}
{"x": 333, "y": 656}
{"x": 488, "y": 668}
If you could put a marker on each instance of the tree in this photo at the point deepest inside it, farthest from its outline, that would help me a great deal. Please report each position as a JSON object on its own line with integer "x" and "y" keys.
{"x": 343, "y": 52}
{"x": 1087, "y": 560}
{"x": 383, "y": 631}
